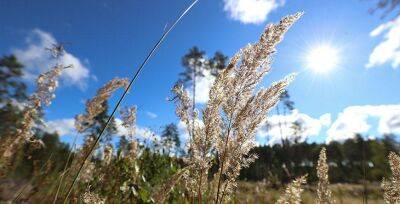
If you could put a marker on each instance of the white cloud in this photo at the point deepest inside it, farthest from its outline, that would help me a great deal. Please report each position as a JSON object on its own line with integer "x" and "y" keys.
{"x": 37, "y": 59}
{"x": 183, "y": 133}
{"x": 182, "y": 128}
{"x": 120, "y": 129}
{"x": 387, "y": 51}
{"x": 251, "y": 11}
{"x": 356, "y": 119}
{"x": 203, "y": 85}
{"x": 151, "y": 115}
{"x": 352, "y": 120}
{"x": 64, "y": 127}
{"x": 278, "y": 127}
{"x": 141, "y": 132}
{"x": 390, "y": 123}
{"x": 367, "y": 120}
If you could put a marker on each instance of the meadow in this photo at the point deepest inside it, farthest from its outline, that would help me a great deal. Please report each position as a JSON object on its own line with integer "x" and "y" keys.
{"x": 250, "y": 192}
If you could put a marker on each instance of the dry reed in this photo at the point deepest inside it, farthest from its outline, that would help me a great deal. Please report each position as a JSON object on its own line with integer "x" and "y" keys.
{"x": 292, "y": 194}
{"x": 232, "y": 115}
{"x": 46, "y": 84}
{"x": 324, "y": 194}
{"x": 391, "y": 187}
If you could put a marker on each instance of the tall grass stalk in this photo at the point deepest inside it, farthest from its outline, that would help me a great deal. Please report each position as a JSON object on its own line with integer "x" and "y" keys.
{"x": 150, "y": 54}
{"x": 231, "y": 116}
{"x": 65, "y": 168}
{"x": 46, "y": 84}
{"x": 292, "y": 194}
{"x": 94, "y": 107}
{"x": 324, "y": 194}
{"x": 255, "y": 61}
{"x": 391, "y": 187}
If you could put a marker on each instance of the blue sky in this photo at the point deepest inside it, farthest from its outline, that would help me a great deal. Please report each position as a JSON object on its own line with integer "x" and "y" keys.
{"x": 108, "y": 39}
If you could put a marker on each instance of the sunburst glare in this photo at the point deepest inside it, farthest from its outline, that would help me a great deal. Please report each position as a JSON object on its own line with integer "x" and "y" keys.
{"x": 322, "y": 59}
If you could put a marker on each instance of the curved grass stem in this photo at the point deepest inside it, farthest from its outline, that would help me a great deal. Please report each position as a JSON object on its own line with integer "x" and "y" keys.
{"x": 135, "y": 76}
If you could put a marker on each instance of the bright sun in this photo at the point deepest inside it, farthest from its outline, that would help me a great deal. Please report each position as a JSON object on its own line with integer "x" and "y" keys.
{"x": 322, "y": 59}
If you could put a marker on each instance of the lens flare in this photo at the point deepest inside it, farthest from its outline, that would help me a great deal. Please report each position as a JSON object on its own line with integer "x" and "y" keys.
{"x": 322, "y": 59}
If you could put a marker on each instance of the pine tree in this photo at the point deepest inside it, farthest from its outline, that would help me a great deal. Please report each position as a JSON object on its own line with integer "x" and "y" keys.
{"x": 193, "y": 63}
{"x": 12, "y": 90}
{"x": 11, "y": 85}
{"x": 388, "y": 6}
{"x": 170, "y": 136}
{"x": 217, "y": 63}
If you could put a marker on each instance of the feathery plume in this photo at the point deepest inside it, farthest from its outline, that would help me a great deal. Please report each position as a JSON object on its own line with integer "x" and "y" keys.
{"x": 92, "y": 198}
{"x": 46, "y": 85}
{"x": 232, "y": 114}
{"x": 324, "y": 194}
{"x": 197, "y": 162}
{"x": 95, "y": 105}
{"x": 243, "y": 108}
{"x": 133, "y": 149}
{"x": 128, "y": 116}
{"x": 391, "y": 187}
{"x": 108, "y": 154}
{"x": 292, "y": 194}
{"x": 87, "y": 173}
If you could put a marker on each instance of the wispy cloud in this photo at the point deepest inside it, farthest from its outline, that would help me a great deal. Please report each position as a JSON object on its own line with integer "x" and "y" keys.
{"x": 37, "y": 59}
{"x": 388, "y": 50}
{"x": 151, "y": 115}
{"x": 357, "y": 119}
{"x": 251, "y": 11}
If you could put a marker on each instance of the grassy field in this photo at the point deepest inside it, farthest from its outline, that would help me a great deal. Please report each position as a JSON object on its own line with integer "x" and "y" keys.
{"x": 259, "y": 192}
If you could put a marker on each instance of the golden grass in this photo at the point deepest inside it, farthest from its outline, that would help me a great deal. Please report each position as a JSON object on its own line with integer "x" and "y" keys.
{"x": 257, "y": 192}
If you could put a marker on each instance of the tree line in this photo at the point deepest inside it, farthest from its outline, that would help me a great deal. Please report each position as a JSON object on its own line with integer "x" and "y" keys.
{"x": 347, "y": 160}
